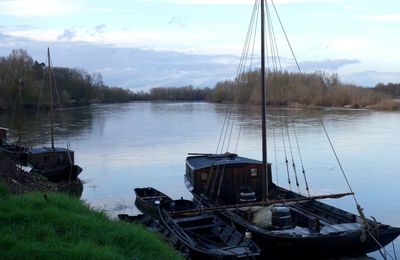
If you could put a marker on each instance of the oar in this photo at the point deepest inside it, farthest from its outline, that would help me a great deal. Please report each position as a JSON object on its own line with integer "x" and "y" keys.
{"x": 265, "y": 202}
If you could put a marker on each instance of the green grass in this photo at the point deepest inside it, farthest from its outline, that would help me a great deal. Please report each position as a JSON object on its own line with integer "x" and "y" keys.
{"x": 65, "y": 228}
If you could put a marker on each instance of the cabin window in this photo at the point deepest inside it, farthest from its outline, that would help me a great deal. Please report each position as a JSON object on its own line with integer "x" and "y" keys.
{"x": 203, "y": 176}
{"x": 61, "y": 160}
{"x": 253, "y": 172}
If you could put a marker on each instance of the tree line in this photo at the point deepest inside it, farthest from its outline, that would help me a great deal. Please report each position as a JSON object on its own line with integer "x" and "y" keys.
{"x": 287, "y": 88}
{"x": 391, "y": 89}
{"x": 24, "y": 80}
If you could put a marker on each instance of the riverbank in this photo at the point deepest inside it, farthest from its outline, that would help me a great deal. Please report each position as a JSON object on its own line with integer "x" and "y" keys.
{"x": 36, "y": 221}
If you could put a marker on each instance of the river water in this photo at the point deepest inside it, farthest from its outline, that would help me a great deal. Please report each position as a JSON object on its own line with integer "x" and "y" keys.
{"x": 140, "y": 144}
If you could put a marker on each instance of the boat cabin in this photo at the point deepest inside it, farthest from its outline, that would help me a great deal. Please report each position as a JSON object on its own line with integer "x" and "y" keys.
{"x": 227, "y": 177}
{"x": 48, "y": 158}
{"x": 3, "y": 136}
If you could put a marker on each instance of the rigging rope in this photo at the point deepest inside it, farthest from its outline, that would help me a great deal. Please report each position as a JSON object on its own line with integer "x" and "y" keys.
{"x": 293, "y": 163}
{"x": 222, "y": 131}
{"x": 301, "y": 159}
{"x": 239, "y": 77}
{"x": 250, "y": 66}
{"x": 286, "y": 37}
{"x": 276, "y": 157}
{"x": 286, "y": 160}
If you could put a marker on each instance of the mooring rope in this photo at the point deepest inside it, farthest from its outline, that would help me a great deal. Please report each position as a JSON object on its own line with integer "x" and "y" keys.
{"x": 394, "y": 251}
{"x": 385, "y": 253}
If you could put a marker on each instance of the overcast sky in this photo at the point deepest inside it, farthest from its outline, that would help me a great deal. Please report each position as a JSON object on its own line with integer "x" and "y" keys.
{"x": 140, "y": 44}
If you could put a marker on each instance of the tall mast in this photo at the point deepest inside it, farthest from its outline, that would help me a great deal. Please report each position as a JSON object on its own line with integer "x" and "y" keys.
{"x": 263, "y": 103}
{"x": 51, "y": 100}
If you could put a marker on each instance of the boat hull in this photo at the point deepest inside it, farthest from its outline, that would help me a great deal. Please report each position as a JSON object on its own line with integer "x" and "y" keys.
{"x": 275, "y": 246}
{"x": 204, "y": 235}
{"x": 64, "y": 173}
{"x": 148, "y": 200}
{"x": 19, "y": 154}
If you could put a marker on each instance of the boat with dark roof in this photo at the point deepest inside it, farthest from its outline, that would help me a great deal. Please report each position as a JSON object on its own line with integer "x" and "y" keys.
{"x": 285, "y": 224}
{"x": 55, "y": 163}
{"x": 16, "y": 151}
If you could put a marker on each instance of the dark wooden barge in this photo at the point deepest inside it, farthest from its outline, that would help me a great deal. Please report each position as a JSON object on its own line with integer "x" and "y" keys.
{"x": 307, "y": 229}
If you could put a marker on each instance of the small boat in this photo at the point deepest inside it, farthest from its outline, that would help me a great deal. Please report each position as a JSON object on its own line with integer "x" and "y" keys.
{"x": 16, "y": 151}
{"x": 149, "y": 199}
{"x": 203, "y": 234}
{"x": 55, "y": 163}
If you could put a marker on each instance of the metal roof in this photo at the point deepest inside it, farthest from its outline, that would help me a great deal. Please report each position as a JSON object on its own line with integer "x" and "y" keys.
{"x": 208, "y": 160}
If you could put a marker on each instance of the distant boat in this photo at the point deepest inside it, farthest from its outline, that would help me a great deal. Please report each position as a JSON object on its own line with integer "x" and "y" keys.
{"x": 199, "y": 235}
{"x": 285, "y": 224}
{"x": 54, "y": 163}
{"x": 149, "y": 199}
{"x": 16, "y": 151}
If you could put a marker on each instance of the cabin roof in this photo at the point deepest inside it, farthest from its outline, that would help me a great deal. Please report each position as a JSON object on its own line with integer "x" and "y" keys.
{"x": 45, "y": 149}
{"x": 204, "y": 161}
{"x": 3, "y": 129}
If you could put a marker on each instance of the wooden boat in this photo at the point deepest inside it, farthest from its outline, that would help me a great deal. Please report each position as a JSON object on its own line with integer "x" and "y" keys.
{"x": 286, "y": 225}
{"x": 205, "y": 235}
{"x": 302, "y": 227}
{"x": 16, "y": 151}
{"x": 149, "y": 199}
{"x": 55, "y": 163}
{"x": 197, "y": 235}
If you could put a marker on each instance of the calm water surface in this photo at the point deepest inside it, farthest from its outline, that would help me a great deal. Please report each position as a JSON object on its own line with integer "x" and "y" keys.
{"x": 142, "y": 144}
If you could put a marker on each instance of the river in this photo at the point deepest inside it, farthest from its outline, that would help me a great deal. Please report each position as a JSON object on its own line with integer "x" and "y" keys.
{"x": 140, "y": 144}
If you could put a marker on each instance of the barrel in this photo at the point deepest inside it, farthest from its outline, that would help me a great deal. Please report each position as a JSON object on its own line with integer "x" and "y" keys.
{"x": 281, "y": 217}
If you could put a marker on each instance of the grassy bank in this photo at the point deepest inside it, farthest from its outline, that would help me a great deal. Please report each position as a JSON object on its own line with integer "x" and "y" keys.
{"x": 57, "y": 226}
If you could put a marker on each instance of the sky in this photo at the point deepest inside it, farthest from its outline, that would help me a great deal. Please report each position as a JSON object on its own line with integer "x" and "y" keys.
{"x": 140, "y": 44}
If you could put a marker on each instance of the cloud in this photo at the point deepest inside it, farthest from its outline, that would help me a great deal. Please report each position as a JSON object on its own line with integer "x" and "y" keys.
{"x": 382, "y": 17}
{"x": 371, "y": 77}
{"x": 141, "y": 69}
{"x": 24, "y": 27}
{"x": 99, "y": 29}
{"x": 331, "y": 65}
{"x": 39, "y": 8}
{"x": 184, "y": 40}
{"x": 67, "y": 35}
{"x": 235, "y": 2}
{"x": 134, "y": 68}
{"x": 177, "y": 21}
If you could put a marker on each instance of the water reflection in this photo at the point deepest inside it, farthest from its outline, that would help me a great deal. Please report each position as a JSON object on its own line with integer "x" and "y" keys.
{"x": 123, "y": 146}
